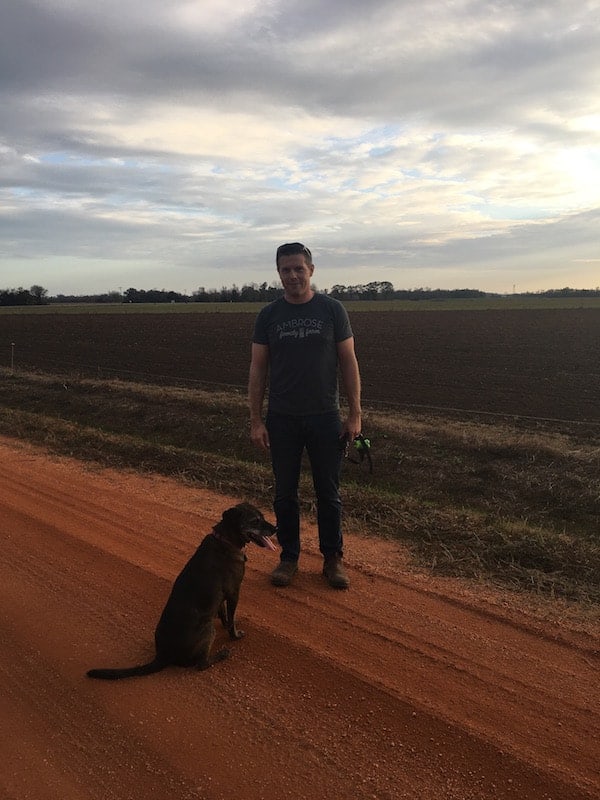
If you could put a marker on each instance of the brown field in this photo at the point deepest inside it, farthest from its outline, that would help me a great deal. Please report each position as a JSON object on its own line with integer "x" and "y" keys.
{"x": 539, "y": 362}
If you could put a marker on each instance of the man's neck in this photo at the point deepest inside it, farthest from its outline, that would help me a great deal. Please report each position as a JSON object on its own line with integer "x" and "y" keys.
{"x": 298, "y": 301}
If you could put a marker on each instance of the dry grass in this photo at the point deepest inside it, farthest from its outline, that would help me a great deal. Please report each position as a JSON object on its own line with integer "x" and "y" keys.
{"x": 515, "y": 503}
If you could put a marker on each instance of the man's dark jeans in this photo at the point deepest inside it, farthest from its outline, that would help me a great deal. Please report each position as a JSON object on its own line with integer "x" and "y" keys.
{"x": 320, "y": 435}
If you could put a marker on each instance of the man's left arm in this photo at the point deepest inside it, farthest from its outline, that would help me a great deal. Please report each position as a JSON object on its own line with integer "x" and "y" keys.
{"x": 351, "y": 379}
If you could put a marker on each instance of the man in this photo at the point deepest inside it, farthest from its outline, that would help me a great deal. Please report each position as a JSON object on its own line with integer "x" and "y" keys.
{"x": 299, "y": 342}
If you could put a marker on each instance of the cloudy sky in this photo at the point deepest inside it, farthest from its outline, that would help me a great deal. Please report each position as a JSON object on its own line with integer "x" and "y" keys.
{"x": 174, "y": 145}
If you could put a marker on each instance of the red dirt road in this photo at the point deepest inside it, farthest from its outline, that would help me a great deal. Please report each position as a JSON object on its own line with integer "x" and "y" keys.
{"x": 400, "y": 688}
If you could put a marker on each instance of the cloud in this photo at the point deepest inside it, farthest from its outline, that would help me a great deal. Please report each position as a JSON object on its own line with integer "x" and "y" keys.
{"x": 453, "y": 141}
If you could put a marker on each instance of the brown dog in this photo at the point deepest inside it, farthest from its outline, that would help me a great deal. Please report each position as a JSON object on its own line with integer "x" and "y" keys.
{"x": 208, "y": 586}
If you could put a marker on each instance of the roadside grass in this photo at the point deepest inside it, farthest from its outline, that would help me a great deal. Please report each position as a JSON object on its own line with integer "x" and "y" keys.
{"x": 509, "y": 502}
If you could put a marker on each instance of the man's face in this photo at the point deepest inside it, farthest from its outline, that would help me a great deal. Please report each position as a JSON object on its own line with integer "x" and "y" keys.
{"x": 295, "y": 276}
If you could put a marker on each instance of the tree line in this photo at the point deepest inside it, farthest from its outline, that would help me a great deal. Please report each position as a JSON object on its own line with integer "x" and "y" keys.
{"x": 35, "y": 296}
{"x": 263, "y": 293}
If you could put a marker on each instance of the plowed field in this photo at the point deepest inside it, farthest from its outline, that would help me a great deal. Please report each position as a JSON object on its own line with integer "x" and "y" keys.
{"x": 541, "y": 363}
{"x": 401, "y": 687}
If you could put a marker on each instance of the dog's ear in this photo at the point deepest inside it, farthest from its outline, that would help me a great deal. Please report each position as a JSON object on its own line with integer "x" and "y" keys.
{"x": 231, "y": 516}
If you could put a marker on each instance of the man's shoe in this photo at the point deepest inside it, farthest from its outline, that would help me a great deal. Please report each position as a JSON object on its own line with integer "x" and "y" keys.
{"x": 333, "y": 570}
{"x": 283, "y": 574}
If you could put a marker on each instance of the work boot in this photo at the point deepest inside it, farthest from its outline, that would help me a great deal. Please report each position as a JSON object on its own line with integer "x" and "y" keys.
{"x": 282, "y": 575}
{"x": 333, "y": 570}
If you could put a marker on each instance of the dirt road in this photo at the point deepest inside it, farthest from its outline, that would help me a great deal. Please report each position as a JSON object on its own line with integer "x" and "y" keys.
{"x": 400, "y": 688}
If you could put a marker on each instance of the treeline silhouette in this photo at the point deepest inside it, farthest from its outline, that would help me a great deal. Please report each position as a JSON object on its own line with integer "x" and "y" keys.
{"x": 264, "y": 293}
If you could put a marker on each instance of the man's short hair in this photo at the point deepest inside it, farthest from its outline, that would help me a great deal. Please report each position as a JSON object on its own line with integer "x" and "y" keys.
{"x": 293, "y": 249}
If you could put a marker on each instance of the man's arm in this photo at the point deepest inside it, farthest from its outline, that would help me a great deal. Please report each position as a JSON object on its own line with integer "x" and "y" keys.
{"x": 257, "y": 382}
{"x": 351, "y": 380}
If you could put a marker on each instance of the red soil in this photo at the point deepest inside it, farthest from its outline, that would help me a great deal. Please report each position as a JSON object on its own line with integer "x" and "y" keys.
{"x": 401, "y": 687}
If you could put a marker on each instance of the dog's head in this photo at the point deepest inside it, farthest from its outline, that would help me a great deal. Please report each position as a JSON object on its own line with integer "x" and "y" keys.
{"x": 244, "y": 523}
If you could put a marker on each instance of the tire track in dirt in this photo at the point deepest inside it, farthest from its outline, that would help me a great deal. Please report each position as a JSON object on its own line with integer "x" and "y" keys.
{"x": 391, "y": 690}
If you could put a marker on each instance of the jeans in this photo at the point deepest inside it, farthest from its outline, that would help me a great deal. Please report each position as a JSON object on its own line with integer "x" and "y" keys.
{"x": 289, "y": 436}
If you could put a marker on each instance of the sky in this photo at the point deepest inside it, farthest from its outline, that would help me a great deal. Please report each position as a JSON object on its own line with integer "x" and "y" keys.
{"x": 173, "y": 145}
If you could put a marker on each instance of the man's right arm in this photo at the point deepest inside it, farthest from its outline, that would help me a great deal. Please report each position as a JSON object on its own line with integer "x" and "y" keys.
{"x": 257, "y": 383}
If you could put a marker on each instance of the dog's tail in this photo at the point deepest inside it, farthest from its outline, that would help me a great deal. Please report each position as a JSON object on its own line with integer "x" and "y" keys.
{"x": 127, "y": 672}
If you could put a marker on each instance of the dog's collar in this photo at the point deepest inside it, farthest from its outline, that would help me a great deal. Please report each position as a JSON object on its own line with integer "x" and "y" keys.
{"x": 222, "y": 539}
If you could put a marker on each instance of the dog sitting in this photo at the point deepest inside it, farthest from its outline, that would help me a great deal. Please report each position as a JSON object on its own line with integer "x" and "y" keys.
{"x": 208, "y": 586}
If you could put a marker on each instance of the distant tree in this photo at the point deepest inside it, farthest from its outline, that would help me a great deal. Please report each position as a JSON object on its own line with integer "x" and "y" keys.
{"x": 249, "y": 293}
{"x": 16, "y": 297}
{"x": 39, "y": 295}
{"x": 111, "y": 297}
{"x": 153, "y": 296}
{"x": 131, "y": 295}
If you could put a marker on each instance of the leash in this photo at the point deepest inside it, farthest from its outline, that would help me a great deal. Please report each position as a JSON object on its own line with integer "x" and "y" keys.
{"x": 362, "y": 447}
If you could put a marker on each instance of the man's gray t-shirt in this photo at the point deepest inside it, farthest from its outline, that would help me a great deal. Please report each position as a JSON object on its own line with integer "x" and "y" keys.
{"x": 302, "y": 340}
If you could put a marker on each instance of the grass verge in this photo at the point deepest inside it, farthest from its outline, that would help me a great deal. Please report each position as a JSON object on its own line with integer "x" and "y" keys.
{"x": 509, "y": 502}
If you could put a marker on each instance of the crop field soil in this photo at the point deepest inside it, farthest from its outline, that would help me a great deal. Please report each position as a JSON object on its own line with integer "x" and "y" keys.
{"x": 538, "y": 362}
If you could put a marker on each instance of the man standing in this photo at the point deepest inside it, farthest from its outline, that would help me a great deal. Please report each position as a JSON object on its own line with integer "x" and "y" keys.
{"x": 299, "y": 341}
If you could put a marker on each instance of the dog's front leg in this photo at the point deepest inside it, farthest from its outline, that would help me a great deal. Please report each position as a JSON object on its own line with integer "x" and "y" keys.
{"x": 223, "y": 615}
{"x": 228, "y": 619}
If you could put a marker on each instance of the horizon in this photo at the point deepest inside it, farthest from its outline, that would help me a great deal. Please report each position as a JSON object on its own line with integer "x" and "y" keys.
{"x": 270, "y": 288}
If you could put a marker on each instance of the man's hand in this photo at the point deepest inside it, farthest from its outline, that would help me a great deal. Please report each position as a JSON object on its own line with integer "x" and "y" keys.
{"x": 352, "y": 427}
{"x": 259, "y": 435}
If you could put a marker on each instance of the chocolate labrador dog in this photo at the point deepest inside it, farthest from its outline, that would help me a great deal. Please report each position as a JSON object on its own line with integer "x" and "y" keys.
{"x": 207, "y": 587}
